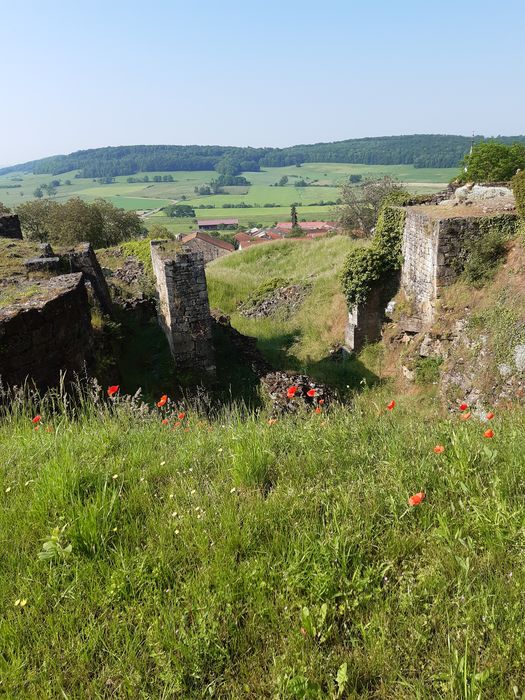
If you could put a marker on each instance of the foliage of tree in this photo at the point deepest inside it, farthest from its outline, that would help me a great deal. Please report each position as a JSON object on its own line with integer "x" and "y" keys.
{"x": 421, "y": 150}
{"x": 38, "y": 193}
{"x": 75, "y": 221}
{"x": 361, "y": 205}
{"x": 293, "y": 215}
{"x": 354, "y": 179}
{"x": 283, "y": 181}
{"x": 518, "y": 188}
{"x": 493, "y": 162}
{"x": 366, "y": 266}
{"x": 180, "y": 211}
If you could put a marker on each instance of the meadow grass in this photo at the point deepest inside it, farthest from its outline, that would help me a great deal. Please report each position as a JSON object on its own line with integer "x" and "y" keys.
{"x": 130, "y": 195}
{"x": 230, "y": 558}
{"x": 303, "y": 341}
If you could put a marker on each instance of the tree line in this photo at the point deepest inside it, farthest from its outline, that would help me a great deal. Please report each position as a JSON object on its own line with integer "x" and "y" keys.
{"x": 420, "y": 150}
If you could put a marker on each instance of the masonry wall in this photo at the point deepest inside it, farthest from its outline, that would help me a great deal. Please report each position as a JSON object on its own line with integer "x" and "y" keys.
{"x": 183, "y": 307}
{"x": 49, "y": 334}
{"x": 365, "y": 321}
{"x": 434, "y": 253}
{"x": 10, "y": 226}
{"x": 420, "y": 253}
{"x": 209, "y": 251}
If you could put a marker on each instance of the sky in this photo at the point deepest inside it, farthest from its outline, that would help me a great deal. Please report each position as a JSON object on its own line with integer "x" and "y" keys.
{"x": 271, "y": 73}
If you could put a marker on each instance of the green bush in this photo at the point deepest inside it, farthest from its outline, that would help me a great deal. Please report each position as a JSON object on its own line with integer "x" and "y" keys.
{"x": 364, "y": 267}
{"x": 428, "y": 369}
{"x": 518, "y": 187}
{"x": 492, "y": 162}
{"x": 484, "y": 257}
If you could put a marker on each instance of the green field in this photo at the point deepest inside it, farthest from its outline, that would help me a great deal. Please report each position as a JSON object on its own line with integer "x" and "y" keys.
{"x": 324, "y": 178}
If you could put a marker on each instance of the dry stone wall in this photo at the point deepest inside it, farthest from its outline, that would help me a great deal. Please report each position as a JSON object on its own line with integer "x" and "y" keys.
{"x": 434, "y": 252}
{"x": 183, "y": 306}
{"x": 10, "y": 226}
{"x": 46, "y": 335}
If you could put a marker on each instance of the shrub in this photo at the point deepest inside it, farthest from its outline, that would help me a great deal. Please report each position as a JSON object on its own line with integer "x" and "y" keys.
{"x": 518, "y": 187}
{"x": 365, "y": 266}
{"x": 484, "y": 257}
{"x": 493, "y": 162}
{"x": 428, "y": 369}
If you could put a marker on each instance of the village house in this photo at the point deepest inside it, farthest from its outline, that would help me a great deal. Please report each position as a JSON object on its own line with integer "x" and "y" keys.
{"x": 246, "y": 240}
{"x": 216, "y": 224}
{"x": 312, "y": 229}
{"x": 209, "y": 246}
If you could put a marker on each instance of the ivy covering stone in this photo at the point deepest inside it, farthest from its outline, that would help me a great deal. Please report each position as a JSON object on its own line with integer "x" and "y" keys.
{"x": 365, "y": 267}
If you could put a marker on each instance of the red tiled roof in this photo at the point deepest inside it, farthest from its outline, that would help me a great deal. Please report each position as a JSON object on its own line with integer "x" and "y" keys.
{"x": 208, "y": 239}
{"x": 307, "y": 225}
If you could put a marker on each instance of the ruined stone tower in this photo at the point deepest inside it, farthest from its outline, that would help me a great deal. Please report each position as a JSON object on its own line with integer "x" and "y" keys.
{"x": 183, "y": 307}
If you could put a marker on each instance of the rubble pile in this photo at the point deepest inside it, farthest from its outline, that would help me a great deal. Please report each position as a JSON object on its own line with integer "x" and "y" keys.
{"x": 283, "y": 300}
{"x": 291, "y": 392}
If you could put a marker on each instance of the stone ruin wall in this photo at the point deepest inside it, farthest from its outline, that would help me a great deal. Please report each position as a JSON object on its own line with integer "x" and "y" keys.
{"x": 46, "y": 335}
{"x": 365, "y": 321}
{"x": 210, "y": 252}
{"x": 434, "y": 252}
{"x": 420, "y": 250}
{"x": 435, "y": 246}
{"x": 183, "y": 307}
{"x": 10, "y": 226}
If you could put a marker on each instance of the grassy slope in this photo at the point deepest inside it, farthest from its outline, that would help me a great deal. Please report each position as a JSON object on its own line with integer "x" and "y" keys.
{"x": 178, "y": 585}
{"x": 302, "y": 343}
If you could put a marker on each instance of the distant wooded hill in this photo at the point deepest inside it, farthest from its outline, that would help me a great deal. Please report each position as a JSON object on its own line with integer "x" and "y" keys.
{"x": 420, "y": 150}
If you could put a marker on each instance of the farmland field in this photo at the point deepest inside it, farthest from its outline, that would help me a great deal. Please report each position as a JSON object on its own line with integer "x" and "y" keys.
{"x": 269, "y": 203}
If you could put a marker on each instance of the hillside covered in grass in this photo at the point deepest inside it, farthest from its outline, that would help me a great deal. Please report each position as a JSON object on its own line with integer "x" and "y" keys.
{"x": 300, "y": 339}
{"x": 232, "y": 558}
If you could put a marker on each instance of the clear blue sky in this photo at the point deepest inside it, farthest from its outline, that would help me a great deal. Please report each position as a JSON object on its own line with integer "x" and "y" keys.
{"x": 87, "y": 74}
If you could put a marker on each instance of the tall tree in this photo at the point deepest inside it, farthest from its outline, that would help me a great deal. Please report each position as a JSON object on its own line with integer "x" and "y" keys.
{"x": 293, "y": 215}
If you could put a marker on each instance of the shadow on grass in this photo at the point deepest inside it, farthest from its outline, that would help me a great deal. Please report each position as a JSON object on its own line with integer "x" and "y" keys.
{"x": 343, "y": 371}
{"x": 144, "y": 361}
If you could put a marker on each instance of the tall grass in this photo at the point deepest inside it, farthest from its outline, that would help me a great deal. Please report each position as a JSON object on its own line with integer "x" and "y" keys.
{"x": 236, "y": 559}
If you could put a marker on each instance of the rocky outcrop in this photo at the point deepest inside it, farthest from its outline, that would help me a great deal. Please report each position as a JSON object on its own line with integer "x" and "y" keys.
{"x": 82, "y": 258}
{"x": 47, "y": 335}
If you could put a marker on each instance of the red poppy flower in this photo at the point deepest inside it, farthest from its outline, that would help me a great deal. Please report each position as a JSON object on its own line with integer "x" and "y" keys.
{"x": 165, "y": 421}
{"x": 416, "y": 499}
{"x": 488, "y": 433}
{"x": 37, "y": 427}
{"x": 391, "y": 405}
{"x": 112, "y": 390}
{"x": 438, "y": 449}
{"x": 181, "y": 415}
{"x": 311, "y": 392}
{"x": 176, "y": 425}
{"x": 318, "y": 410}
{"x": 490, "y": 415}
{"x": 162, "y": 401}
{"x": 291, "y": 392}
{"x": 36, "y": 419}
{"x": 463, "y": 406}
{"x": 272, "y": 421}
{"x": 321, "y": 402}
{"x": 466, "y": 416}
